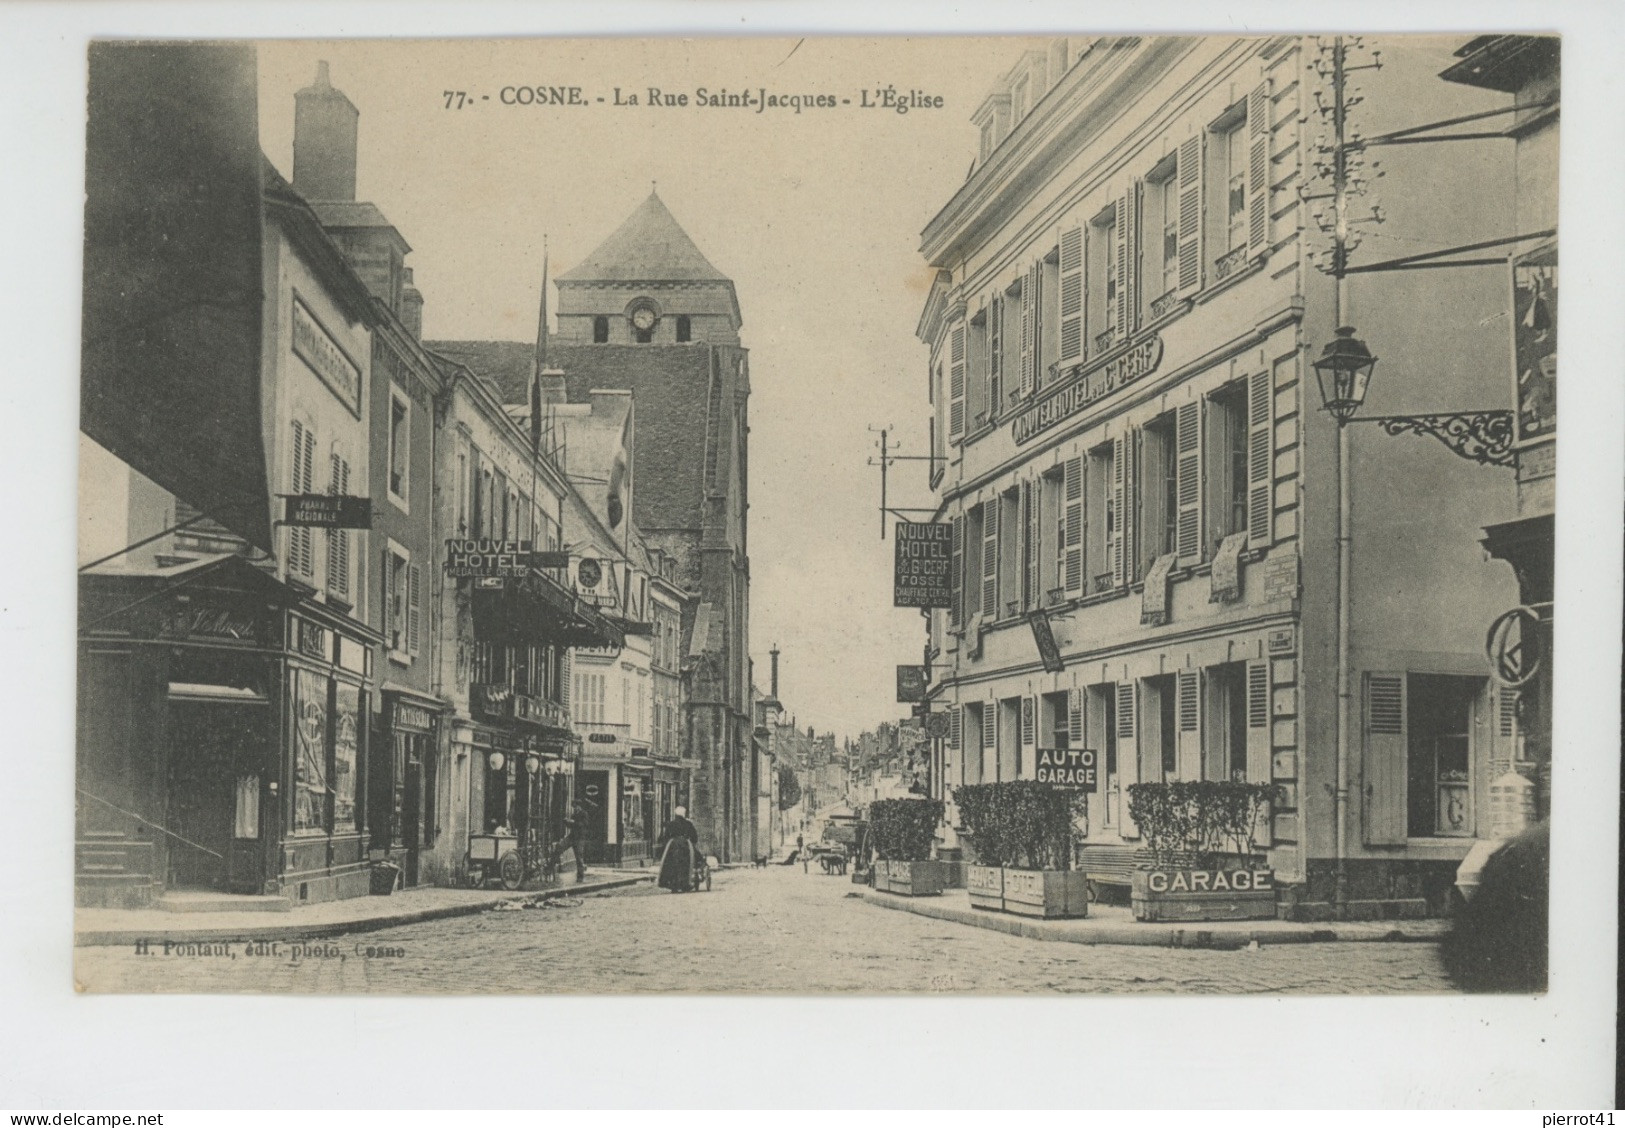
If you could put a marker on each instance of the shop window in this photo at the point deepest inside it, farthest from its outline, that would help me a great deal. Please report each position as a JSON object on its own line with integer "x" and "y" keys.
{"x": 1226, "y": 456}
{"x": 400, "y": 439}
{"x": 310, "y": 751}
{"x": 346, "y": 745}
{"x": 600, "y": 330}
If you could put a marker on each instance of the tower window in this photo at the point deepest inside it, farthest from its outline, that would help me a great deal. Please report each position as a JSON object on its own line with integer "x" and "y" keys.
{"x": 645, "y": 336}
{"x": 685, "y": 331}
{"x": 600, "y": 330}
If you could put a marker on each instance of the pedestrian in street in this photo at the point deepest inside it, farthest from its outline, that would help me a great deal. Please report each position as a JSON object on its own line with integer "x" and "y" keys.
{"x": 678, "y": 846}
{"x": 575, "y": 833}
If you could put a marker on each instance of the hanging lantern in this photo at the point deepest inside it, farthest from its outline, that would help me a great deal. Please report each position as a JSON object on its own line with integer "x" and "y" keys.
{"x": 1344, "y": 373}
{"x": 497, "y": 760}
{"x": 533, "y": 764}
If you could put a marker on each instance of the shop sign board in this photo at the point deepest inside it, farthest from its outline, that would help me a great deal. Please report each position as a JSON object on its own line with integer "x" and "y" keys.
{"x": 1067, "y": 767}
{"x": 1534, "y": 343}
{"x": 1049, "y": 652}
{"x": 484, "y": 558}
{"x": 911, "y": 683}
{"x": 327, "y": 511}
{"x": 314, "y": 345}
{"x": 922, "y": 562}
{"x": 1210, "y": 881}
{"x": 1088, "y": 387}
{"x": 413, "y": 717}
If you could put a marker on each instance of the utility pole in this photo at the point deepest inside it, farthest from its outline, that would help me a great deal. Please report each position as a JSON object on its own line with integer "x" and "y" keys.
{"x": 887, "y": 457}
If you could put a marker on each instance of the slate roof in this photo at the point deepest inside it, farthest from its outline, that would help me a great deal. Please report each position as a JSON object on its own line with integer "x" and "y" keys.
{"x": 651, "y": 246}
{"x": 669, "y": 385}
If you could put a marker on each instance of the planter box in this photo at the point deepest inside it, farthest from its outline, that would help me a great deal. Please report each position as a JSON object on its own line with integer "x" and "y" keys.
{"x": 909, "y": 879}
{"x": 986, "y": 886}
{"x": 1238, "y": 892}
{"x": 1050, "y": 894}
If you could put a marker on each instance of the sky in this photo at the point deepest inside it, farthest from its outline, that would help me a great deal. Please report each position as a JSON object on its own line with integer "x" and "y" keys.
{"x": 815, "y": 216}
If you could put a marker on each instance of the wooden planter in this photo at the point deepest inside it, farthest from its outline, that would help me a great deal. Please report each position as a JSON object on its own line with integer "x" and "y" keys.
{"x": 1051, "y": 894}
{"x": 909, "y": 879}
{"x": 1239, "y": 890}
{"x": 986, "y": 886}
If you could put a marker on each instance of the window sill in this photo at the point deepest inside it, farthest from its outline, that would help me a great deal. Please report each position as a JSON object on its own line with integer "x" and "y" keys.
{"x": 1214, "y": 289}
{"x": 400, "y": 658}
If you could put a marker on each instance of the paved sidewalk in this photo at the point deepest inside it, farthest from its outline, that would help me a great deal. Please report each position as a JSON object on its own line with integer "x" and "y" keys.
{"x": 94, "y": 927}
{"x": 1115, "y": 924}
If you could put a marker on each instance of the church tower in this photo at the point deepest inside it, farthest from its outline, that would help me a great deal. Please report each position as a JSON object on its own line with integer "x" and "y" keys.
{"x": 648, "y": 284}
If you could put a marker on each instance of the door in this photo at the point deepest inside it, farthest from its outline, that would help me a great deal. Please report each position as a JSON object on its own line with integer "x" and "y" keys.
{"x": 592, "y": 790}
{"x": 412, "y": 810}
{"x": 214, "y": 780}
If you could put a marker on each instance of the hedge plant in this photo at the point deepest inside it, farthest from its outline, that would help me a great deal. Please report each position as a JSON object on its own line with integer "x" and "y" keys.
{"x": 1195, "y": 822}
{"x": 904, "y": 829}
{"x": 1021, "y": 824}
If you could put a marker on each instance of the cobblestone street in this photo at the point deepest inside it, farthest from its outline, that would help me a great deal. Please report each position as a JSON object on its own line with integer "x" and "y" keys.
{"x": 773, "y": 930}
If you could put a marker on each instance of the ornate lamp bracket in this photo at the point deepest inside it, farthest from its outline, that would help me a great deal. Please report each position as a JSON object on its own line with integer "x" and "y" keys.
{"x": 1485, "y": 437}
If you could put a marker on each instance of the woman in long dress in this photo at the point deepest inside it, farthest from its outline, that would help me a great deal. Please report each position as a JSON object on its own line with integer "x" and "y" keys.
{"x": 678, "y": 844}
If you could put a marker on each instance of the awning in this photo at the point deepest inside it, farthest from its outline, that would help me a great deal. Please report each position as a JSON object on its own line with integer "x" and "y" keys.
{"x": 539, "y": 611}
{"x": 225, "y": 694}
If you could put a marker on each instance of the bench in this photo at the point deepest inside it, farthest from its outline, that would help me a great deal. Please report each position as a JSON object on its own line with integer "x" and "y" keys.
{"x": 1108, "y": 865}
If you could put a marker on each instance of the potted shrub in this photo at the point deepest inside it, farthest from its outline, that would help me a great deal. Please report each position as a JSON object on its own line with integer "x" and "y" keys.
{"x": 902, "y": 832}
{"x": 1022, "y": 832}
{"x": 1201, "y": 859}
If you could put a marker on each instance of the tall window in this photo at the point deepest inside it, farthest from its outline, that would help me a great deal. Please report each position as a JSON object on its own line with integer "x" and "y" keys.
{"x": 1098, "y": 499}
{"x": 1018, "y": 101}
{"x": 462, "y": 493}
{"x": 1048, "y": 332}
{"x": 301, "y": 463}
{"x": 985, "y": 140}
{"x": 400, "y": 437}
{"x": 600, "y": 330}
{"x": 1010, "y": 565}
{"x": 1235, "y": 182}
{"x": 1052, "y": 531}
{"x": 338, "y": 540}
{"x": 1227, "y": 461}
{"x": 1166, "y": 215}
{"x": 685, "y": 329}
{"x": 971, "y": 558}
{"x": 1159, "y": 489}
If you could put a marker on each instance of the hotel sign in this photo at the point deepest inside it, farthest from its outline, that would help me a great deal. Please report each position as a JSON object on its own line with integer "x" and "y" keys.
{"x": 1088, "y": 387}
{"x": 315, "y": 346}
{"x": 486, "y": 558}
{"x": 922, "y": 562}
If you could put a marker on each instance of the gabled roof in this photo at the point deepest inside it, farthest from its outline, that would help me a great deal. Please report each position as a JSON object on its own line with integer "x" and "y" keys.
{"x": 651, "y": 246}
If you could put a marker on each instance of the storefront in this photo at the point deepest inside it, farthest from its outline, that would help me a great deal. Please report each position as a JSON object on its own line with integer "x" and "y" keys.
{"x": 404, "y": 781}
{"x": 223, "y": 725}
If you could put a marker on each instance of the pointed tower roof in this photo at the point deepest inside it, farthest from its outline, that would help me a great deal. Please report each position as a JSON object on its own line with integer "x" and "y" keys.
{"x": 649, "y": 247}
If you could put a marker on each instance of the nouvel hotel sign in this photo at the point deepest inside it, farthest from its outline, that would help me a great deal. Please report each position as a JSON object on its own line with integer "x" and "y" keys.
{"x": 1088, "y": 386}
{"x": 921, "y": 578}
{"x": 486, "y": 558}
{"x": 315, "y": 346}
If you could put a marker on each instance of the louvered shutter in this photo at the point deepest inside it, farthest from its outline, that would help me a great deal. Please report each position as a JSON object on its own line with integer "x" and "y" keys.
{"x": 1258, "y": 169}
{"x": 566, "y": 673}
{"x": 1121, "y": 224}
{"x": 990, "y": 558}
{"x": 956, "y": 382}
{"x": 990, "y": 727}
{"x": 995, "y": 355}
{"x": 1128, "y": 750}
{"x": 1260, "y": 444}
{"x": 1029, "y": 722}
{"x": 1188, "y": 488}
{"x": 955, "y": 721}
{"x": 301, "y": 553}
{"x": 1383, "y": 789}
{"x": 414, "y": 605}
{"x": 1071, "y": 298}
{"x": 1188, "y": 723}
{"x": 1072, "y": 516}
{"x": 1128, "y": 456}
{"x": 1115, "y": 515}
{"x": 1258, "y": 741}
{"x": 1191, "y": 180}
{"x": 1029, "y": 326}
{"x": 1074, "y": 720}
{"x": 338, "y": 540}
{"x": 1030, "y": 543}
{"x": 956, "y": 574}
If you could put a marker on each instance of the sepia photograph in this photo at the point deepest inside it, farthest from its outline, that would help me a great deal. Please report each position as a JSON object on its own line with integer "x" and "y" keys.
{"x": 496, "y": 456}
{"x": 746, "y": 523}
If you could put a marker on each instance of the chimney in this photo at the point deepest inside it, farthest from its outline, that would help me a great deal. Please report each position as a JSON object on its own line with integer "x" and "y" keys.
{"x": 774, "y": 655}
{"x": 324, "y": 141}
{"x": 553, "y": 389}
{"x": 411, "y": 305}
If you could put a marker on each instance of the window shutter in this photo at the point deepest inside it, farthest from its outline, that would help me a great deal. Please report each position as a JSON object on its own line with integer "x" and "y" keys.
{"x": 1188, "y": 726}
{"x": 1030, "y": 595}
{"x": 1029, "y": 311}
{"x": 414, "y": 604}
{"x": 990, "y": 725}
{"x": 1071, "y": 298}
{"x": 1258, "y": 170}
{"x": 1029, "y": 722}
{"x": 1191, "y": 178}
{"x": 956, "y": 573}
{"x": 955, "y": 723}
{"x": 1384, "y": 762}
{"x": 1074, "y": 720}
{"x": 995, "y": 358}
{"x": 990, "y": 558}
{"x": 1120, "y": 221}
{"x": 1128, "y": 756}
{"x": 338, "y": 540}
{"x": 1260, "y": 444}
{"x": 1258, "y": 741}
{"x": 956, "y": 382}
{"x": 1115, "y": 516}
{"x": 1506, "y": 701}
{"x": 1188, "y": 467}
{"x": 1072, "y": 501}
{"x": 566, "y": 673}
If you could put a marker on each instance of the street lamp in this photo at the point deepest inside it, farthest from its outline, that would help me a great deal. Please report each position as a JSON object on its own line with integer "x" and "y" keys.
{"x": 1344, "y": 373}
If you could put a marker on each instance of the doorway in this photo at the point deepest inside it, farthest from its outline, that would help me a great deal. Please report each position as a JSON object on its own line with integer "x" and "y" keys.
{"x": 1439, "y": 768}
{"x": 214, "y": 778}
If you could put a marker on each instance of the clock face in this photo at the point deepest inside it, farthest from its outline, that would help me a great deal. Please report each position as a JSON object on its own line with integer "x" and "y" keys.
{"x": 643, "y": 317}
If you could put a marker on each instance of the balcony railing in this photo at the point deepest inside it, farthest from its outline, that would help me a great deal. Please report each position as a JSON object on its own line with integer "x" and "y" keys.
{"x": 1103, "y": 582}
{"x": 1105, "y": 340}
{"x": 498, "y": 701}
{"x": 1160, "y": 307}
